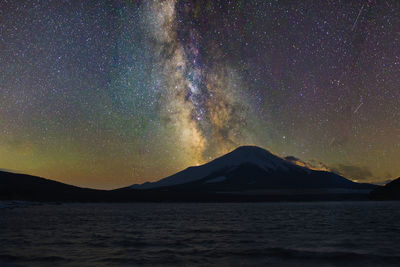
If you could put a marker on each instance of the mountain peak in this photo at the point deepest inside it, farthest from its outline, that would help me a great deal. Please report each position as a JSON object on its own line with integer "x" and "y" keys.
{"x": 251, "y": 168}
{"x": 252, "y": 155}
{"x": 251, "y": 150}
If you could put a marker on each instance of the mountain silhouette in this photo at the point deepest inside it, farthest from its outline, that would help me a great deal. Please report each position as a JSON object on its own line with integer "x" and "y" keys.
{"x": 248, "y": 173}
{"x": 250, "y": 168}
{"x": 17, "y": 186}
{"x": 390, "y": 191}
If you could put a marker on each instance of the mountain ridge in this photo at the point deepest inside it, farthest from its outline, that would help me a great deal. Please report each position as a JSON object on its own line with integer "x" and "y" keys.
{"x": 391, "y": 191}
{"x": 249, "y": 162}
{"x": 245, "y": 174}
{"x": 239, "y": 156}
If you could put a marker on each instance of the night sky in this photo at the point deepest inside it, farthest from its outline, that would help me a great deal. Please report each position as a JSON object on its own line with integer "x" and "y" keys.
{"x": 106, "y": 94}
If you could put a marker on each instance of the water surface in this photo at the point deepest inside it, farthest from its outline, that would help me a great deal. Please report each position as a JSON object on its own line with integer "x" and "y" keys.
{"x": 206, "y": 234}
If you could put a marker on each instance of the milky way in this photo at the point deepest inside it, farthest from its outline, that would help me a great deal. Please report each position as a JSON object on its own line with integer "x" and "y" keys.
{"x": 107, "y": 94}
{"x": 203, "y": 104}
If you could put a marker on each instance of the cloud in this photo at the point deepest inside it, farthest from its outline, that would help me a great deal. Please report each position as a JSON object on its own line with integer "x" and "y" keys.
{"x": 292, "y": 158}
{"x": 311, "y": 164}
{"x": 385, "y": 182}
{"x": 354, "y": 172}
{"x": 319, "y": 165}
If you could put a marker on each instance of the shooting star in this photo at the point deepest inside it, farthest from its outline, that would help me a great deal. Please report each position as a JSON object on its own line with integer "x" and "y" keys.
{"x": 355, "y": 22}
{"x": 359, "y": 106}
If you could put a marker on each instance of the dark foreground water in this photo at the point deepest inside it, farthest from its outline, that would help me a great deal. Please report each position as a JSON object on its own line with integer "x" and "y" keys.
{"x": 228, "y": 234}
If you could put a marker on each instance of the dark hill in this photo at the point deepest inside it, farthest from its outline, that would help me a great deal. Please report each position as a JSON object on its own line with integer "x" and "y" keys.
{"x": 27, "y": 187}
{"x": 390, "y": 191}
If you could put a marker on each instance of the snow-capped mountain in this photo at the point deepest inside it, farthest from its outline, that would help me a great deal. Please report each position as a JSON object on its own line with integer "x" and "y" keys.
{"x": 251, "y": 168}
{"x": 244, "y": 154}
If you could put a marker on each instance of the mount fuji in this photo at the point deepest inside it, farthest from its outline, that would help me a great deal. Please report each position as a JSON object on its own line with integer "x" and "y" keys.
{"x": 252, "y": 170}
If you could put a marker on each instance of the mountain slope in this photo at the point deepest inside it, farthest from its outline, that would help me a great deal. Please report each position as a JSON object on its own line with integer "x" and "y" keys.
{"x": 250, "y": 168}
{"x": 27, "y": 187}
{"x": 390, "y": 191}
{"x": 258, "y": 156}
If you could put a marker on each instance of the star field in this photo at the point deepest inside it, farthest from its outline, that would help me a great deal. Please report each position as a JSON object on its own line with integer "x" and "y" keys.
{"x": 111, "y": 93}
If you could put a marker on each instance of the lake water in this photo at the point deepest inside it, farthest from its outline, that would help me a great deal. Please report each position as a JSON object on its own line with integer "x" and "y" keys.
{"x": 206, "y": 234}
